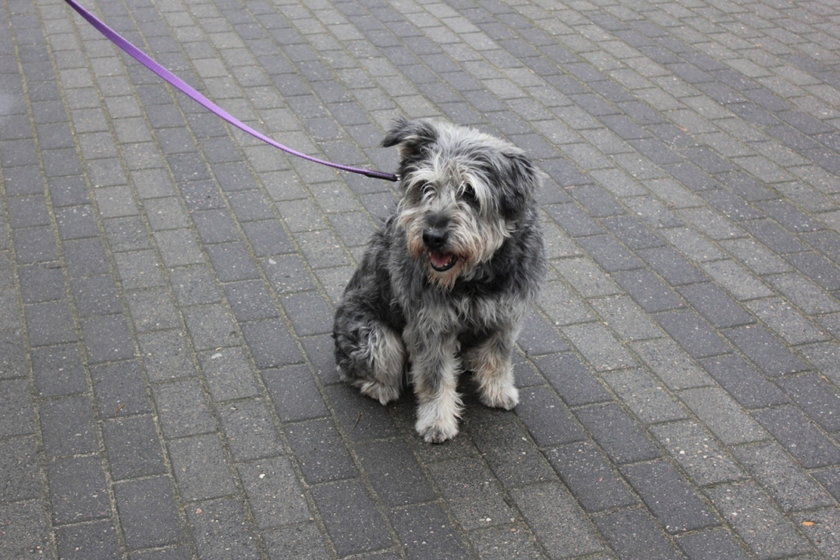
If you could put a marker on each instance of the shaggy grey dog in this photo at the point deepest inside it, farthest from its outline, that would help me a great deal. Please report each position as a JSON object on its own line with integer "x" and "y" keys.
{"x": 446, "y": 280}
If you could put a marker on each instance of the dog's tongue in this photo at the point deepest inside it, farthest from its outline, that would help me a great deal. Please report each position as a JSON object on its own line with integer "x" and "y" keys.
{"x": 442, "y": 261}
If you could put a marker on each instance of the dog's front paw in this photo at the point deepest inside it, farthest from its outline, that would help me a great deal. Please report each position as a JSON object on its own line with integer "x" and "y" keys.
{"x": 499, "y": 395}
{"x": 436, "y": 425}
{"x": 438, "y": 432}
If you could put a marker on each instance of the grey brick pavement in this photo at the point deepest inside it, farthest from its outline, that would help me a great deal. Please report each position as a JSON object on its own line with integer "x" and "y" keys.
{"x": 167, "y": 388}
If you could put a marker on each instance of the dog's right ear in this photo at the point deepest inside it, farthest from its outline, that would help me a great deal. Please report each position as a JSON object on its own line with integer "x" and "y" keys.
{"x": 410, "y": 135}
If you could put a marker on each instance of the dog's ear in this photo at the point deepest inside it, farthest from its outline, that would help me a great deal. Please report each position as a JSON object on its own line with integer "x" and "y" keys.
{"x": 410, "y": 135}
{"x": 520, "y": 179}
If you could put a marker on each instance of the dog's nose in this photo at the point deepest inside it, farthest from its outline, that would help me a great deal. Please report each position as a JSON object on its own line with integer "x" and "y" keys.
{"x": 435, "y": 238}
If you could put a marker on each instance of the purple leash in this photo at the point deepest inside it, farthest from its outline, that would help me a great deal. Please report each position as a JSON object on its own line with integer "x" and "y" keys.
{"x": 199, "y": 98}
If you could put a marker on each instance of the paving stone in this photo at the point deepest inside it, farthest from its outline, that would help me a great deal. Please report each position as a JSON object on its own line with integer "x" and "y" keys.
{"x": 120, "y": 389}
{"x": 210, "y": 326}
{"x": 697, "y": 452}
{"x": 183, "y": 409}
{"x": 626, "y": 318}
{"x": 153, "y": 310}
{"x": 671, "y": 364}
{"x": 693, "y": 333}
{"x": 273, "y": 491}
{"x": 137, "y": 269}
{"x": 646, "y": 289}
{"x": 357, "y": 416}
{"x": 799, "y": 436}
{"x": 232, "y": 262}
{"x": 250, "y": 300}
{"x": 590, "y": 477}
{"x": 220, "y": 530}
{"x": 352, "y": 520}
{"x": 645, "y": 396}
{"x": 271, "y": 343}
{"x": 507, "y": 542}
{"x": 673, "y": 268}
{"x": 40, "y": 283}
{"x": 766, "y": 350}
{"x": 34, "y": 245}
{"x": 19, "y": 475}
{"x": 671, "y": 499}
{"x": 573, "y": 220}
{"x": 16, "y": 408}
{"x": 301, "y": 540}
{"x": 319, "y": 450}
{"x": 394, "y": 472}
{"x": 13, "y": 363}
{"x": 632, "y": 533}
{"x": 785, "y": 321}
{"x": 78, "y": 490}
{"x": 715, "y": 305}
{"x": 200, "y": 468}
{"x": 743, "y": 381}
{"x": 127, "y": 233}
{"x": 514, "y": 458}
{"x": 617, "y": 433}
{"x": 50, "y": 323}
{"x": 471, "y": 492}
{"x": 195, "y": 285}
{"x": 817, "y": 525}
{"x": 167, "y": 355}
{"x": 757, "y": 521}
{"x": 68, "y": 426}
{"x": 250, "y": 430}
{"x": 93, "y": 540}
{"x": 742, "y": 284}
{"x": 781, "y": 476}
{"x": 132, "y": 446}
{"x": 717, "y": 410}
{"x": 572, "y": 380}
{"x": 816, "y": 397}
{"x": 294, "y": 393}
{"x": 711, "y": 544}
{"x": 169, "y": 553}
{"x": 609, "y": 253}
{"x": 599, "y": 346}
{"x": 229, "y": 374}
{"x": 309, "y": 313}
{"x": 546, "y": 417}
{"x": 805, "y": 294}
{"x": 26, "y": 530}
{"x": 544, "y": 503}
{"x": 96, "y": 295}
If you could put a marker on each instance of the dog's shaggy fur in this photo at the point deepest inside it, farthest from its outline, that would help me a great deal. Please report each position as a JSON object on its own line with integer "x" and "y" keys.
{"x": 445, "y": 282}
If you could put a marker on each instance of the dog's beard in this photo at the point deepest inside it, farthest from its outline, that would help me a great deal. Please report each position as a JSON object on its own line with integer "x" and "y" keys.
{"x": 470, "y": 243}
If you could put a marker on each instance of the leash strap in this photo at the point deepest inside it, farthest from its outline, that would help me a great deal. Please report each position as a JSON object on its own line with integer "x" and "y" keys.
{"x": 199, "y": 98}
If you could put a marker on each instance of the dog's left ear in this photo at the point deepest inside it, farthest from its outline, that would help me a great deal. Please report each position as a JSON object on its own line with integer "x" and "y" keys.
{"x": 411, "y": 136}
{"x": 519, "y": 181}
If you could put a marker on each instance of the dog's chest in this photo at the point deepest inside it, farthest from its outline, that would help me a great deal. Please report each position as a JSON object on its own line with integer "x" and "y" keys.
{"x": 463, "y": 314}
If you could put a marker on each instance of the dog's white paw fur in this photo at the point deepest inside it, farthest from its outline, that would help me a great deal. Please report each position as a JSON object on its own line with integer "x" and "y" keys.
{"x": 499, "y": 394}
{"x": 437, "y": 420}
{"x": 377, "y": 391}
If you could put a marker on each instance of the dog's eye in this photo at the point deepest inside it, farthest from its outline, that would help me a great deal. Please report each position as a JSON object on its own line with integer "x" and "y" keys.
{"x": 428, "y": 191}
{"x": 468, "y": 194}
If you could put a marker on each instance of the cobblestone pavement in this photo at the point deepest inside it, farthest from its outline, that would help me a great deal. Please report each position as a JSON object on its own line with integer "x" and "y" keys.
{"x": 167, "y": 386}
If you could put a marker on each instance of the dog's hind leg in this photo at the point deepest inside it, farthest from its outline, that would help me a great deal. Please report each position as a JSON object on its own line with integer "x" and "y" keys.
{"x": 490, "y": 362}
{"x": 372, "y": 358}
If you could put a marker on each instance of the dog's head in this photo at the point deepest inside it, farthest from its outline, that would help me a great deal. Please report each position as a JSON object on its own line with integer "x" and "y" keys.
{"x": 463, "y": 194}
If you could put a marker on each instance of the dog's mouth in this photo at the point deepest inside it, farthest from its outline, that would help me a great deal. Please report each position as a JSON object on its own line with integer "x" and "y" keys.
{"x": 442, "y": 262}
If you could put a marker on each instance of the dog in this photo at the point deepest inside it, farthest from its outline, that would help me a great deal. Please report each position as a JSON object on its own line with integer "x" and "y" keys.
{"x": 444, "y": 283}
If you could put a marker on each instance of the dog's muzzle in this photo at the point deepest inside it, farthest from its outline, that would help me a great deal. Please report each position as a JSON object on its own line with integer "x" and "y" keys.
{"x": 435, "y": 240}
